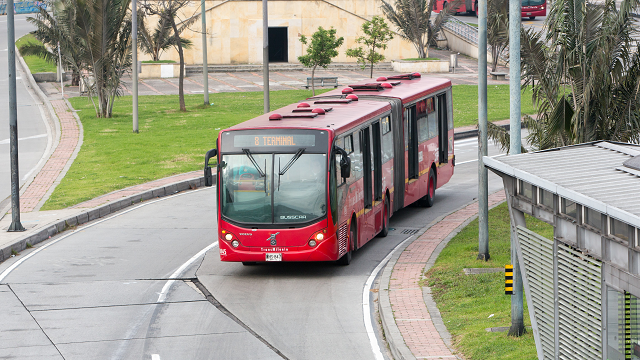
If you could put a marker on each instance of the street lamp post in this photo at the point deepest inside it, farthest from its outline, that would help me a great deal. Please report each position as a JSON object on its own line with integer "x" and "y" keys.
{"x": 13, "y": 123}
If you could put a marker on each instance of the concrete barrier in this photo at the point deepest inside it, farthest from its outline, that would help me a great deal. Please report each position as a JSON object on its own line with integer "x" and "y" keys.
{"x": 421, "y": 66}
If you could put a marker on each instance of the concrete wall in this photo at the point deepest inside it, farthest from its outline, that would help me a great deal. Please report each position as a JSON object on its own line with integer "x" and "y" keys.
{"x": 234, "y": 29}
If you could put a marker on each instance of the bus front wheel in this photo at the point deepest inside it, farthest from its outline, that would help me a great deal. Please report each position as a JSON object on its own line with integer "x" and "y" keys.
{"x": 346, "y": 258}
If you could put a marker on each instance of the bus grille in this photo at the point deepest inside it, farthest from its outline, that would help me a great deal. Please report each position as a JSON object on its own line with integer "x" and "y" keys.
{"x": 342, "y": 240}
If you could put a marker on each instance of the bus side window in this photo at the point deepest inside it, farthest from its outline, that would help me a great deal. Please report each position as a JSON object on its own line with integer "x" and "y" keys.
{"x": 387, "y": 140}
{"x": 432, "y": 118}
{"x": 423, "y": 128}
{"x": 356, "y": 160}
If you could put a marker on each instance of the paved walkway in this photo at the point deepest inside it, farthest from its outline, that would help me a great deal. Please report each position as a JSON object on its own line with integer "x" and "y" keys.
{"x": 50, "y": 173}
{"x": 405, "y": 294}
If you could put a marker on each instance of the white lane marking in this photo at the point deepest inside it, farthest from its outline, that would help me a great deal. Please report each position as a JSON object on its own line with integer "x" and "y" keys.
{"x": 366, "y": 310}
{"x": 468, "y": 161}
{"x": 7, "y": 271}
{"x": 472, "y": 140}
{"x": 167, "y": 286}
{"x": 155, "y": 357}
{"x": 6, "y": 141}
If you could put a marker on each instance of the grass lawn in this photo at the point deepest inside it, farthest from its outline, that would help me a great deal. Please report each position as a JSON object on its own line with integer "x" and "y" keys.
{"x": 468, "y": 301}
{"x": 465, "y": 104}
{"x": 34, "y": 63}
{"x": 169, "y": 142}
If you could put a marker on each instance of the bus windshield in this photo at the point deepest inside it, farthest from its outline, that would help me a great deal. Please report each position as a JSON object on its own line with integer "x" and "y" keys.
{"x": 273, "y": 188}
{"x": 533, "y": 2}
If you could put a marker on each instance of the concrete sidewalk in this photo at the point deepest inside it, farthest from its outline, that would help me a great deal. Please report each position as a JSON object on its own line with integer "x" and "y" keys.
{"x": 410, "y": 334}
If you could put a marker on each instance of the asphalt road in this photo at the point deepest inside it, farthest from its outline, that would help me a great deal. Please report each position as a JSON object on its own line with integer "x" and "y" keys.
{"x": 32, "y": 129}
{"x": 101, "y": 291}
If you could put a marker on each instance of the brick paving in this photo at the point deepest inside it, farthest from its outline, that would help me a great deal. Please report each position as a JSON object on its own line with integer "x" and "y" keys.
{"x": 61, "y": 156}
{"x": 409, "y": 310}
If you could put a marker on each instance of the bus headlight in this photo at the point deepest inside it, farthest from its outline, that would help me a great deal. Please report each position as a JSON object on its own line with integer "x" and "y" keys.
{"x": 235, "y": 243}
{"x": 317, "y": 237}
{"x": 229, "y": 237}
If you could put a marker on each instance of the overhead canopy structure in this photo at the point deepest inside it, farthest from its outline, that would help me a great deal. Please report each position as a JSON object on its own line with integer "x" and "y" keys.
{"x": 583, "y": 285}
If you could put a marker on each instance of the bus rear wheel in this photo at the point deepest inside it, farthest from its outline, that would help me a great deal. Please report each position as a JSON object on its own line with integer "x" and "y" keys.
{"x": 427, "y": 200}
{"x": 346, "y": 258}
{"x": 249, "y": 263}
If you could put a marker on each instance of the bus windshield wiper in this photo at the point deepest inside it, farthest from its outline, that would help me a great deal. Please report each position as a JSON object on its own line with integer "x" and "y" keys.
{"x": 253, "y": 161}
{"x": 293, "y": 159}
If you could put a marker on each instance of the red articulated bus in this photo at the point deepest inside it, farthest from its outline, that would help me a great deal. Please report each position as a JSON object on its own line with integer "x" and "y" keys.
{"x": 315, "y": 181}
{"x": 529, "y": 8}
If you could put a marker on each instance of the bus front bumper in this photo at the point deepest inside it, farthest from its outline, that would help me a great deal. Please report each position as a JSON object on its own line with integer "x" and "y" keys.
{"x": 326, "y": 250}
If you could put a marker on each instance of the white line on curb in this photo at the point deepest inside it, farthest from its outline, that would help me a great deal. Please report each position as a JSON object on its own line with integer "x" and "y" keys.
{"x": 366, "y": 308}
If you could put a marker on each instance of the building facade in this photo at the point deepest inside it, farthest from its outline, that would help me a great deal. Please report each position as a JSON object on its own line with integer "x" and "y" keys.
{"x": 234, "y": 30}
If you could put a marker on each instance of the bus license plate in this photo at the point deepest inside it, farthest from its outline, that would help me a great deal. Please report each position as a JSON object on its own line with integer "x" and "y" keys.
{"x": 528, "y": 14}
{"x": 273, "y": 256}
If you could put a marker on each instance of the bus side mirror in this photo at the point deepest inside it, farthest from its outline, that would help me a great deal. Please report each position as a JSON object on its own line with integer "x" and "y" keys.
{"x": 345, "y": 163}
{"x": 208, "y": 176}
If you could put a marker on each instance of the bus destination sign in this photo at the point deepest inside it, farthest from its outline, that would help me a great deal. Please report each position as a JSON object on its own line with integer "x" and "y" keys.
{"x": 275, "y": 140}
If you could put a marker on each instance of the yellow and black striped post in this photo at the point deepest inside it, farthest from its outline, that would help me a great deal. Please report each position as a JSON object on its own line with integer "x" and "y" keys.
{"x": 508, "y": 279}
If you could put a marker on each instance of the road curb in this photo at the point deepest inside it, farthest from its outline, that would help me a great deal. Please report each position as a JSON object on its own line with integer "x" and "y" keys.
{"x": 84, "y": 216}
{"x": 53, "y": 133}
{"x": 397, "y": 345}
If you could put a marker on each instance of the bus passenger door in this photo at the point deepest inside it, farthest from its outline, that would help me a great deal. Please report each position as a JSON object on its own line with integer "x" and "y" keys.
{"x": 443, "y": 130}
{"x": 366, "y": 220}
{"x": 376, "y": 153}
{"x": 412, "y": 192}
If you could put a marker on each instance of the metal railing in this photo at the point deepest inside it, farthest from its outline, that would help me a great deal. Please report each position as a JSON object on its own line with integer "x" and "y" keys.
{"x": 470, "y": 34}
{"x": 462, "y": 29}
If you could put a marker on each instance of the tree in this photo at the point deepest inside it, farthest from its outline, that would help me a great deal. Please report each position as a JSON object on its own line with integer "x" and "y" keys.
{"x": 94, "y": 37}
{"x": 167, "y": 10}
{"x": 52, "y": 34}
{"x": 413, "y": 20}
{"x": 320, "y": 51}
{"x": 376, "y": 36}
{"x": 584, "y": 75}
{"x": 154, "y": 41}
{"x": 497, "y": 28}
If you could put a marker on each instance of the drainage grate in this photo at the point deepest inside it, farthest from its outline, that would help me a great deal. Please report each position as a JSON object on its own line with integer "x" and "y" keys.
{"x": 410, "y": 231}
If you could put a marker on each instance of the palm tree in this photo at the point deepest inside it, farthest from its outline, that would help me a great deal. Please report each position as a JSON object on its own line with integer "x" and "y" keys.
{"x": 497, "y": 28}
{"x": 154, "y": 41}
{"x": 413, "y": 20}
{"x": 94, "y": 37}
{"x": 584, "y": 75}
{"x": 104, "y": 26}
{"x": 52, "y": 34}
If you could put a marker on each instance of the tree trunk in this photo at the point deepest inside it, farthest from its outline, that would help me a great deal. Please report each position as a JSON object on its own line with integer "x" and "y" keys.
{"x": 176, "y": 34}
{"x": 313, "y": 82}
